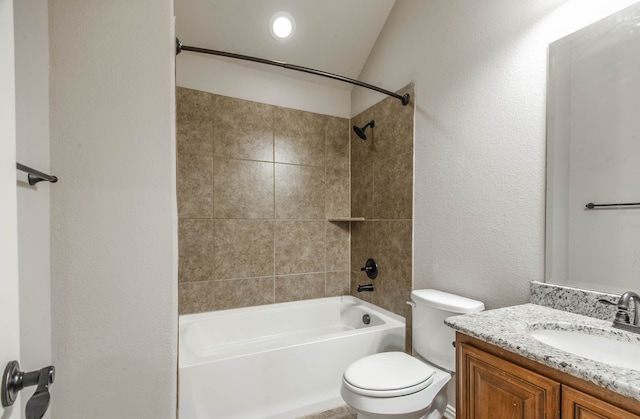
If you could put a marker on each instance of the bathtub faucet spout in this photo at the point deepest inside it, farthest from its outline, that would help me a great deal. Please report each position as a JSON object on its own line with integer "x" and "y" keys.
{"x": 368, "y": 287}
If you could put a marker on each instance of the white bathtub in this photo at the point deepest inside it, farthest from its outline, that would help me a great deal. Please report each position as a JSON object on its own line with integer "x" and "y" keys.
{"x": 277, "y": 361}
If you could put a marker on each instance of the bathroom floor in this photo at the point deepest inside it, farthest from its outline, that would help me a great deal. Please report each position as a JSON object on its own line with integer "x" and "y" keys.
{"x": 343, "y": 412}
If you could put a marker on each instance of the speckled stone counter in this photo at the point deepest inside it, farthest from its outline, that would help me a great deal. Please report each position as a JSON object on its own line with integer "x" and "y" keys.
{"x": 573, "y": 300}
{"x": 508, "y": 329}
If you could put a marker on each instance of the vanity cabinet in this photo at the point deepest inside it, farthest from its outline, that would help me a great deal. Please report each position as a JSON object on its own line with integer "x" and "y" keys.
{"x": 493, "y": 383}
{"x": 494, "y": 388}
{"x": 579, "y": 405}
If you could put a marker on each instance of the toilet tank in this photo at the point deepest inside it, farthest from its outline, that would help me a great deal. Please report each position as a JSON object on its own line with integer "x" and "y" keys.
{"x": 432, "y": 339}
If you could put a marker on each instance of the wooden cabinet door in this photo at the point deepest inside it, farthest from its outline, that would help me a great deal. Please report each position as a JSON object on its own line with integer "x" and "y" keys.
{"x": 578, "y": 405}
{"x": 492, "y": 388}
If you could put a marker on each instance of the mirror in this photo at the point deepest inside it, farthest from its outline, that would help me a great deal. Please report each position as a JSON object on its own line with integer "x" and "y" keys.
{"x": 593, "y": 156}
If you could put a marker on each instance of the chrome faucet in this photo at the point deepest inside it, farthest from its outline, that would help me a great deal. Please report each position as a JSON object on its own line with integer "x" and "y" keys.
{"x": 623, "y": 307}
{"x": 622, "y": 320}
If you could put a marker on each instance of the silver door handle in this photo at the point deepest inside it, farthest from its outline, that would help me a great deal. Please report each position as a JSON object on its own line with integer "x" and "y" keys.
{"x": 15, "y": 380}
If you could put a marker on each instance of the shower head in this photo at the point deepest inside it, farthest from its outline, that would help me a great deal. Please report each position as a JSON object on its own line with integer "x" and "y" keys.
{"x": 360, "y": 131}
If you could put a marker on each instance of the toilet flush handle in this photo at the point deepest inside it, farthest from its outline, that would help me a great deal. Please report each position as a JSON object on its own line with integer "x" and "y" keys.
{"x": 412, "y": 304}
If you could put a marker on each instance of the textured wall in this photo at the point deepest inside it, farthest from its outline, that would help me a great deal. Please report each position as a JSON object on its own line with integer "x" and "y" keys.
{"x": 382, "y": 193}
{"x": 113, "y": 220}
{"x": 9, "y": 306}
{"x": 480, "y": 72}
{"x": 259, "y": 84}
{"x": 32, "y": 149}
{"x": 256, "y": 184}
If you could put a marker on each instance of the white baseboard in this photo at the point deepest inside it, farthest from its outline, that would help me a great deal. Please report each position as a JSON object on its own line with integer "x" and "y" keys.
{"x": 450, "y": 412}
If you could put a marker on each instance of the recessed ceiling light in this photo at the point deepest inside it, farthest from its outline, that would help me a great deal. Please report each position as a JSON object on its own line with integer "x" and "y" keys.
{"x": 282, "y": 25}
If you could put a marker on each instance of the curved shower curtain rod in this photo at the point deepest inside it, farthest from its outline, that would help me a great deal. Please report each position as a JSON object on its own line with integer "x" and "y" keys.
{"x": 179, "y": 48}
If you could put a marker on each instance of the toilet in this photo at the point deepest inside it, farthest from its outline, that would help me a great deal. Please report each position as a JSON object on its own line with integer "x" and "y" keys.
{"x": 397, "y": 385}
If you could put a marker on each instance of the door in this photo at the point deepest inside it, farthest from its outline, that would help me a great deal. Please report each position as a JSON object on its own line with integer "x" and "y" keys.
{"x": 494, "y": 388}
{"x": 10, "y": 331}
{"x": 578, "y": 405}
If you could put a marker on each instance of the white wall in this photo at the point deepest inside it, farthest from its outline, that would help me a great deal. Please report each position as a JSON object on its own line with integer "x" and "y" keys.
{"x": 32, "y": 144}
{"x": 9, "y": 305}
{"x": 113, "y": 217}
{"x": 480, "y": 71}
{"x": 260, "y": 83}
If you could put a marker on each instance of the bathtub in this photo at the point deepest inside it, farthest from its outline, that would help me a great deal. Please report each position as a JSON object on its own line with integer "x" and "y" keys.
{"x": 277, "y": 361}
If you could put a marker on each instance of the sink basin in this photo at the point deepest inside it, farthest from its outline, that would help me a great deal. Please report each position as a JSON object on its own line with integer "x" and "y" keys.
{"x": 599, "y": 345}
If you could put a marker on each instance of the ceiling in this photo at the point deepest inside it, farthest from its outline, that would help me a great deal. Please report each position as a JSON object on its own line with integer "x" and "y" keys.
{"x": 331, "y": 35}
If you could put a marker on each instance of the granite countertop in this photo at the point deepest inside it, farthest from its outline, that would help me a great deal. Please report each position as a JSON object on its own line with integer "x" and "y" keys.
{"x": 508, "y": 329}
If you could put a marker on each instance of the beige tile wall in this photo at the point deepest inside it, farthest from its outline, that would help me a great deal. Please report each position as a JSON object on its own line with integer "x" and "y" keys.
{"x": 382, "y": 192}
{"x": 256, "y": 184}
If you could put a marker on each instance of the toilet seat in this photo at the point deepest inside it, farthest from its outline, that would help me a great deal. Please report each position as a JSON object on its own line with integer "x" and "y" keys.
{"x": 388, "y": 374}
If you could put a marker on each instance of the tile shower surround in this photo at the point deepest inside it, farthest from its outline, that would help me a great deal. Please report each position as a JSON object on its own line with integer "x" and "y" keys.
{"x": 256, "y": 184}
{"x": 382, "y": 193}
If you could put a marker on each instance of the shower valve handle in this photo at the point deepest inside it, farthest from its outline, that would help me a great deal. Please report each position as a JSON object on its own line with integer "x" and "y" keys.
{"x": 370, "y": 268}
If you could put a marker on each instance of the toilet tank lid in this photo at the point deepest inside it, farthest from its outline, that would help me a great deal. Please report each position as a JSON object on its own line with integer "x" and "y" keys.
{"x": 445, "y": 301}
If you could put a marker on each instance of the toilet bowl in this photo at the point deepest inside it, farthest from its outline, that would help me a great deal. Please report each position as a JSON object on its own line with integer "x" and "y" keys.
{"x": 394, "y": 385}
{"x": 397, "y": 385}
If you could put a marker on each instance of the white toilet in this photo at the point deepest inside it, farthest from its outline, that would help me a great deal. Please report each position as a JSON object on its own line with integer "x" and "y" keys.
{"x": 397, "y": 385}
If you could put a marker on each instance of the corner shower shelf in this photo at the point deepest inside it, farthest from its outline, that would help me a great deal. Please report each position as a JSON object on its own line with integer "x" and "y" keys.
{"x": 337, "y": 219}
